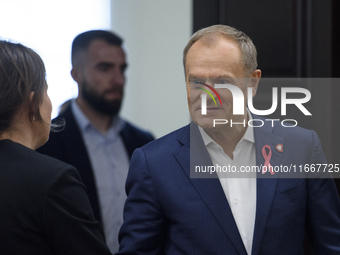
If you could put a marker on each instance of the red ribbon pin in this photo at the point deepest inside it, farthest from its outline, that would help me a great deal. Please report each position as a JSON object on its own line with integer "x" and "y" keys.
{"x": 267, "y": 158}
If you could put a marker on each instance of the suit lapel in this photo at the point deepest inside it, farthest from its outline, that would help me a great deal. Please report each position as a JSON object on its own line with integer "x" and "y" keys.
{"x": 266, "y": 183}
{"x": 128, "y": 140}
{"x": 212, "y": 193}
{"x": 209, "y": 188}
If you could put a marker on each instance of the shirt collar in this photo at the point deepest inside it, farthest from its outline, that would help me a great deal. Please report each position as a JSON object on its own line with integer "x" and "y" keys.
{"x": 84, "y": 123}
{"x": 248, "y": 135}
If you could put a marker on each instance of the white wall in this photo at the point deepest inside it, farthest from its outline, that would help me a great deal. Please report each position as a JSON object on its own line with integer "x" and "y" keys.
{"x": 155, "y": 34}
{"x": 49, "y": 27}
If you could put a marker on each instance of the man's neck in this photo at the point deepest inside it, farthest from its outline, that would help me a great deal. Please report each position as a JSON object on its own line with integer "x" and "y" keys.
{"x": 228, "y": 137}
{"x": 100, "y": 120}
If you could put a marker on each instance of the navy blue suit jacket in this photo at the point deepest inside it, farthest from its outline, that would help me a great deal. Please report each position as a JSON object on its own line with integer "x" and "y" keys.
{"x": 68, "y": 146}
{"x": 167, "y": 212}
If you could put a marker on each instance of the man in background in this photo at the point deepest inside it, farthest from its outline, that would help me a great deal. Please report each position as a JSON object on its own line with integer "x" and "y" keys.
{"x": 96, "y": 140}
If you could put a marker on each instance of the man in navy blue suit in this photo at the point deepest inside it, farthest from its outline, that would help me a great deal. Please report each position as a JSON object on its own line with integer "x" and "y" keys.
{"x": 168, "y": 211}
{"x": 96, "y": 140}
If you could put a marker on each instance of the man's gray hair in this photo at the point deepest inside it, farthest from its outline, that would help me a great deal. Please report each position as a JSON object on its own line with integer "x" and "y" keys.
{"x": 211, "y": 34}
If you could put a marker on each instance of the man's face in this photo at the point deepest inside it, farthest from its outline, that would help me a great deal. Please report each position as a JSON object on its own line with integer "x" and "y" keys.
{"x": 212, "y": 64}
{"x": 101, "y": 78}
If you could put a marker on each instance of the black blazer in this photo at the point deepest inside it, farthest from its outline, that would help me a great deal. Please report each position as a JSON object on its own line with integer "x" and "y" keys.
{"x": 68, "y": 146}
{"x": 43, "y": 206}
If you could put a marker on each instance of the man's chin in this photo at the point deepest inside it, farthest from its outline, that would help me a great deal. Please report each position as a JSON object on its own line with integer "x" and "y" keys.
{"x": 205, "y": 123}
{"x": 111, "y": 109}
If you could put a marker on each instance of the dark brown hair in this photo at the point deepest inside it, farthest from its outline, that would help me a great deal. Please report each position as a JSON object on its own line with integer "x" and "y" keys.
{"x": 82, "y": 41}
{"x": 21, "y": 72}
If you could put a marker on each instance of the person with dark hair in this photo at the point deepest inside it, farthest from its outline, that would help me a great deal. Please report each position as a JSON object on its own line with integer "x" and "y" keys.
{"x": 44, "y": 206}
{"x": 182, "y": 197}
{"x": 96, "y": 140}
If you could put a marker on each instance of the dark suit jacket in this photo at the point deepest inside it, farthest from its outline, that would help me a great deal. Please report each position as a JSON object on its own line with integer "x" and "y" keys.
{"x": 43, "y": 206}
{"x": 167, "y": 212}
{"x": 69, "y": 147}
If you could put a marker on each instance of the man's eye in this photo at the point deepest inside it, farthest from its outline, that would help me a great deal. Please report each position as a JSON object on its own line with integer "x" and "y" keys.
{"x": 123, "y": 68}
{"x": 194, "y": 81}
{"x": 222, "y": 81}
{"x": 103, "y": 68}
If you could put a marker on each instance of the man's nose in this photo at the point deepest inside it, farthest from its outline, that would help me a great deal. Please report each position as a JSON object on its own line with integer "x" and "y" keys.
{"x": 210, "y": 82}
{"x": 118, "y": 78}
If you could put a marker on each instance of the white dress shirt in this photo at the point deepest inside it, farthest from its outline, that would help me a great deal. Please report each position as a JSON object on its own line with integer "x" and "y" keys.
{"x": 110, "y": 164}
{"x": 240, "y": 192}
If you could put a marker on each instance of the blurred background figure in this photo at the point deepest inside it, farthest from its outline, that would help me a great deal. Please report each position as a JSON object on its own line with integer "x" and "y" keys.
{"x": 44, "y": 207}
{"x": 96, "y": 140}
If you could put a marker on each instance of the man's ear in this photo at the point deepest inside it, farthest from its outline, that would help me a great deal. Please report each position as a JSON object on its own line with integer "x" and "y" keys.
{"x": 188, "y": 94}
{"x": 75, "y": 73}
{"x": 254, "y": 80}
